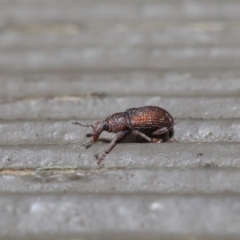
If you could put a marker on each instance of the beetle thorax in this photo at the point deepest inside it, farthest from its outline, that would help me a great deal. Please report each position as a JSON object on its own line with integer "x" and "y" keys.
{"x": 117, "y": 122}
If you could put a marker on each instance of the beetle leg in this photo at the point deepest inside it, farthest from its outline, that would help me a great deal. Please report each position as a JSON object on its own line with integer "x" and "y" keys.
{"x": 137, "y": 133}
{"x": 88, "y": 144}
{"x": 172, "y": 140}
{"x": 119, "y": 136}
{"x": 159, "y": 131}
{"x": 95, "y": 137}
{"x": 165, "y": 133}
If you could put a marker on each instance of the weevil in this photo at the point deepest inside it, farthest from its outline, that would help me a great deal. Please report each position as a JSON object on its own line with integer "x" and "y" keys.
{"x": 152, "y": 123}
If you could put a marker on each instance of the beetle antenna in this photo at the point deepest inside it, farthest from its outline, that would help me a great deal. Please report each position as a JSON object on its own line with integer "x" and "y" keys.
{"x": 78, "y": 123}
{"x": 94, "y": 127}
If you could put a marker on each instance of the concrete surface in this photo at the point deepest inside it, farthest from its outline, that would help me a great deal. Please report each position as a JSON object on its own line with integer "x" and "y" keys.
{"x": 62, "y": 61}
{"x": 122, "y": 179}
{"x": 81, "y": 214}
{"x": 73, "y": 108}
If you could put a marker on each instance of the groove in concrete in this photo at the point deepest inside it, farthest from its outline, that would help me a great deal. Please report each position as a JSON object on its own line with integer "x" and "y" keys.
{"x": 133, "y": 83}
{"x": 34, "y": 214}
{"x": 63, "y": 132}
{"x": 171, "y": 180}
{"x": 124, "y": 155}
{"x": 58, "y": 36}
{"x": 118, "y": 11}
{"x": 99, "y": 107}
{"x": 127, "y": 58}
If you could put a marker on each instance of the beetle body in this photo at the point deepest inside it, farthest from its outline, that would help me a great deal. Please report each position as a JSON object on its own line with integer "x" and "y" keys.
{"x": 150, "y": 122}
{"x": 149, "y": 118}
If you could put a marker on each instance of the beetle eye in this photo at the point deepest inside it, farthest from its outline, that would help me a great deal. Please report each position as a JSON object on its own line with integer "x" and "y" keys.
{"x": 106, "y": 127}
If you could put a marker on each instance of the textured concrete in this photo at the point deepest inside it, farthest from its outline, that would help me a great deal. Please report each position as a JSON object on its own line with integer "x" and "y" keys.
{"x": 95, "y": 107}
{"x": 62, "y": 61}
{"x": 209, "y": 179}
{"x": 123, "y": 155}
{"x": 75, "y": 214}
{"x": 63, "y": 132}
{"x": 219, "y": 83}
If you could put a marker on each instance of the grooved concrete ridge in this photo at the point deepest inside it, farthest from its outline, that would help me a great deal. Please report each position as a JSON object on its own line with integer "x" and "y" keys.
{"x": 62, "y": 61}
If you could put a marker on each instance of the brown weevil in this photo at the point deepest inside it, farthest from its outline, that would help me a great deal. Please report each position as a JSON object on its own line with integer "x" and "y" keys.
{"x": 154, "y": 124}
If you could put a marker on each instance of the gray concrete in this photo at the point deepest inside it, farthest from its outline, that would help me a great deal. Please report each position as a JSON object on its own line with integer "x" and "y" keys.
{"x": 80, "y": 213}
{"x": 27, "y": 12}
{"x": 85, "y": 107}
{"x": 123, "y": 155}
{"x": 127, "y": 58}
{"x": 208, "y": 179}
{"x": 221, "y": 83}
{"x": 63, "y": 132}
{"x": 85, "y": 60}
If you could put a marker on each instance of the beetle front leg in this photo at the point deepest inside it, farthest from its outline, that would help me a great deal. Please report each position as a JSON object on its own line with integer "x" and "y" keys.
{"x": 88, "y": 144}
{"x": 119, "y": 136}
{"x": 94, "y": 139}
